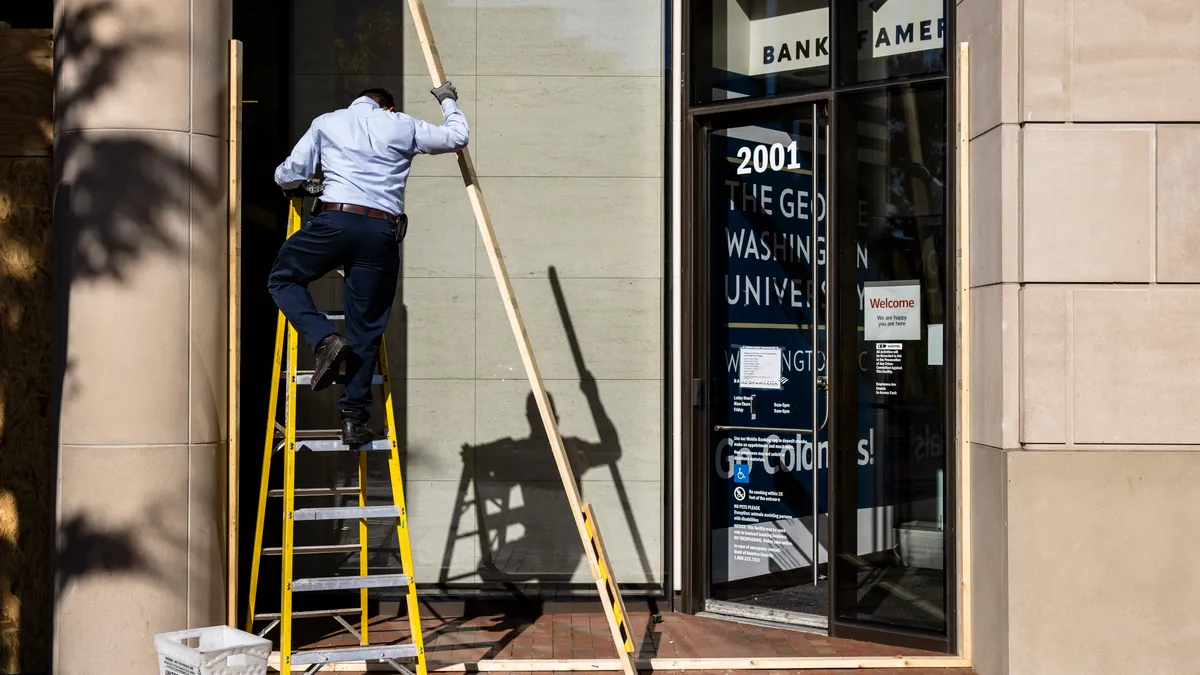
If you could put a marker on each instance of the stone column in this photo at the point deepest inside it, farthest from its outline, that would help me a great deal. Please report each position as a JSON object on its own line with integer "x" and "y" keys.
{"x": 1086, "y": 278}
{"x": 140, "y": 153}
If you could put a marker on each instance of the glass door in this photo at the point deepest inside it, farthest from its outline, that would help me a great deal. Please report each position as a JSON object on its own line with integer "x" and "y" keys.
{"x": 768, "y": 416}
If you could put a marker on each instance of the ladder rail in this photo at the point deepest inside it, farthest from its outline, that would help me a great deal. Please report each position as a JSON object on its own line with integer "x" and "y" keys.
{"x": 363, "y": 599}
{"x": 406, "y": 559}
{"x": 264, "y": 488}
{"x": 289, "y": 478}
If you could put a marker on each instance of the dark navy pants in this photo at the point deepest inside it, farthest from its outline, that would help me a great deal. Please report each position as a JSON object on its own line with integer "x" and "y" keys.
{"x": 368, "y": 251}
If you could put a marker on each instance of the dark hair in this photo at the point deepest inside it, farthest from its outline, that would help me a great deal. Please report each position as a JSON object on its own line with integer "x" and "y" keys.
{"x": 381, "y": 96}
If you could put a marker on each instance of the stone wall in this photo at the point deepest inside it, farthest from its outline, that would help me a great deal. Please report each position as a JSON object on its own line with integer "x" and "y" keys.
{"x": 1085, "y": 242}
{"x": 565, "y": 103}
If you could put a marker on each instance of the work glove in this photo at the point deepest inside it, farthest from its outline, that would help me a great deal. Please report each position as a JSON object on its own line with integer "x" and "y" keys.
{"x": 309, "y": 188}
{"x": 446, "y": 91}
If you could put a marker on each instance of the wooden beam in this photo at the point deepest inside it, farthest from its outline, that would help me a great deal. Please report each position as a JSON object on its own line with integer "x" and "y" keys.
{"x": 965, "y": 606}
{"x": 234, "y": 380}
{"x": 492, "y": 245}
{"x": 656, "y": 664}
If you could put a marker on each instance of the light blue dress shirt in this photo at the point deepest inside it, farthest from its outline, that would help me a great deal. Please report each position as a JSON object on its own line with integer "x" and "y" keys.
{"x": 365, "y": 152}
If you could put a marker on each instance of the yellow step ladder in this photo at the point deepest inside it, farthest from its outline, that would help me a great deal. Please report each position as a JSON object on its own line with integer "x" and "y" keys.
{"x": 287, "y": 438}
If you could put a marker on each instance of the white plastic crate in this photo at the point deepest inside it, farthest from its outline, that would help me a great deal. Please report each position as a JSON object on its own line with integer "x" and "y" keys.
{"x": 218, "y": 650}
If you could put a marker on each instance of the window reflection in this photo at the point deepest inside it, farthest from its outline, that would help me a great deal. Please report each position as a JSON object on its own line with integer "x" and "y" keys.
{"x": 892, "y": 560}
{"x": 887, "y": 39}
{"x": 760, "y": 47}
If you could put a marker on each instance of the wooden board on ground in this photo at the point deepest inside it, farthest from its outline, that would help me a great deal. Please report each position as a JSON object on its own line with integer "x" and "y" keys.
{"x": 657, "y": 664}
{"x": 483, "y": 219}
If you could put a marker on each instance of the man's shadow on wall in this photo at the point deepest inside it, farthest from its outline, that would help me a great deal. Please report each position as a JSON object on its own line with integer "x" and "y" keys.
{"x": 524, "y": 525}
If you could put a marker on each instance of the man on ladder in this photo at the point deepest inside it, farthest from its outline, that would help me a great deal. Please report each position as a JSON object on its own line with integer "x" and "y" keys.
{"x": 365, "y": 152}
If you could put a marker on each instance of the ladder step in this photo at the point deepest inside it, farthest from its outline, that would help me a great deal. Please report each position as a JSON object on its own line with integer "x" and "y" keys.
{"x": 311, "y": 614}
{"x": 304, "y": 378}
{"x": 350, "y": 583}
{"x": 362, "y": 653}
{"x": 338, "y": 446}
{"x": 314, "y": 550}
{"x": 317, "y": 492}
{"x": 347, "y": 512}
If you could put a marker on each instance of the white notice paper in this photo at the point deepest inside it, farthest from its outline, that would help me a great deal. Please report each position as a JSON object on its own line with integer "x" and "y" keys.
{"x": 760, "y": 367}
{"x": 936, "y": 347}
{"x": 892, "y": 310}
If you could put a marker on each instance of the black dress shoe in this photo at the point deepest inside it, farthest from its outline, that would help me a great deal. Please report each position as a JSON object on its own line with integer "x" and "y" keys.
{"x": 332, "y": 351}
{"x": 355, "y": 433}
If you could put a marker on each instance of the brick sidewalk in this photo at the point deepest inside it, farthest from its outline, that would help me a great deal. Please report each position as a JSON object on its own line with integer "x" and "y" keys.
{"x": 586, "y": 636}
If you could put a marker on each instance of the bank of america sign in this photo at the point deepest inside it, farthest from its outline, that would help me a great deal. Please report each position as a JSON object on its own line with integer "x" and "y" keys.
{"x": 800, "y": 40}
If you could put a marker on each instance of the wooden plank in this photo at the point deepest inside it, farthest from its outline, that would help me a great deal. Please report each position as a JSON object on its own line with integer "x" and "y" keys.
{"x": 484, "y": 221}
{"x": 965, "y": 605}
{"x": 26, "y": 93}
{"x": 656, "y": 664}
{"x": 610, "y": 597}
{"x": 233, "y": 412}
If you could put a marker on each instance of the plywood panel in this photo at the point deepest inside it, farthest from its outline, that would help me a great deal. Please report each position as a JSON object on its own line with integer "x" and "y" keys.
{"x": 26, "y": 93}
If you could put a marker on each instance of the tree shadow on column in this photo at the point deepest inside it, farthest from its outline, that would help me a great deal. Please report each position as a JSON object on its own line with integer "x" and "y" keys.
{"x": 116, "y": 199}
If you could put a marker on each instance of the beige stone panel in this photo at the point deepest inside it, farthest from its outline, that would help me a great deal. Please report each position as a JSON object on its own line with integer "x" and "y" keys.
{"x": 532, "y": 533}
{"x": 631, "y": 529}
{"x": 437, "y": 331}
{"x": 616, "y": 423}
{"x": 992, "y": 28}
{"x": 583, "y": 227}
{"x": 208, "y": 279}
{"x": 212, "y": 28}
{"x": 1135, "y": 60}
{"x": 418, "y": 102}
{"x": 123, "y": 561}
{"x": 616, "y": 321}
{"x": 441, "y": 229}
{"x": 455, "y": 29}
{"x": 995, "y": 206}
{"x": 1046, "y": 60}
{"x": 1178, "y": 203}
{"x": 1088, "y": 203}
{"x": 1100, "y": 580}
{"x": 994, "y": 371}
{"x": 129, "y": 66}
{"x": 361, "y": 37}
{"x": 439, "y": 421}
{"x": 536, "y": 540}
{"x": 989, "y": 559}
{"x": 565, "y": 37}
{"x": 564, "y": 127}
{"x": 122, "y": 213}
{"x": 1045, "y": 359}
{"x": 206, "y": 535}
{"x": 437, "y": 554}
{"x": 1135, "y": 364}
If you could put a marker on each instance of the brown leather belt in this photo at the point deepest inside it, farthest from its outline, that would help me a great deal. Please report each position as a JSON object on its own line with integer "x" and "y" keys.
{"x": 361, "y": 211}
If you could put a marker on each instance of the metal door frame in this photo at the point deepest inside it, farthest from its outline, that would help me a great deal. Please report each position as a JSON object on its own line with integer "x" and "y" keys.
{"x": 697, "y": 121}
{"x": 697, "y": 291}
